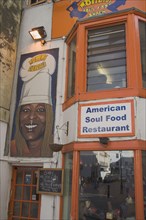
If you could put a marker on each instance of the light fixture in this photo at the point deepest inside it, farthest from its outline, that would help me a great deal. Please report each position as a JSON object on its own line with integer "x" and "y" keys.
{"x": 104, "y": 140}
{"x": 56, "y": 147}
{"x": 38, "y": 33}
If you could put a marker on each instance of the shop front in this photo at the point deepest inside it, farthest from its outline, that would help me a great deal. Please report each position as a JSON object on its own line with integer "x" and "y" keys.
{"x": 105, "y": 86}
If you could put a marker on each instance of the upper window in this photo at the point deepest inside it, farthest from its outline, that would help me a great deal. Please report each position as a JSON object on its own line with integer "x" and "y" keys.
{"x": 106, "y": 58}
{"x": 36, "y": 1}
{"x": 142, "y": 30}
{"x": 71, "y": 69}
{"x": 103, "y": 60}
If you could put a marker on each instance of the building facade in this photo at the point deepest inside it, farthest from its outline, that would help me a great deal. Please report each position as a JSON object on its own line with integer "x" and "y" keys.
{"x": 74, "y": 146}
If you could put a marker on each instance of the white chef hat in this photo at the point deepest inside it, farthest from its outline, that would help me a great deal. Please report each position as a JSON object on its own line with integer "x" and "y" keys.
{"x": 36, "y": 76}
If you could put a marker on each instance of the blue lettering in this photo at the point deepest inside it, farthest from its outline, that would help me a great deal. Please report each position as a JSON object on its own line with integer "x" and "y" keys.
{"x": 87, "y": 119}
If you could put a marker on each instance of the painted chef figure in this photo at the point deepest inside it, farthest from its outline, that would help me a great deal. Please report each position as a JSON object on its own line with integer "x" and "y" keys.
{"x": 34, "y": 118}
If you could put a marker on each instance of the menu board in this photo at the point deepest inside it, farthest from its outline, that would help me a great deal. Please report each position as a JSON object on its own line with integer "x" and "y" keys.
{"x": 50, "y": 181}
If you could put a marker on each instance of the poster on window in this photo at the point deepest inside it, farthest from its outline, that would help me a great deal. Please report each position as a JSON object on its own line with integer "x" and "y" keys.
{"x": 33, "y": 122}
{"x": 67, "y": 12}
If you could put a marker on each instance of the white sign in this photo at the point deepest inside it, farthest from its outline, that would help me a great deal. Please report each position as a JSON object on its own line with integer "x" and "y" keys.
{"x": 102, "y": 119}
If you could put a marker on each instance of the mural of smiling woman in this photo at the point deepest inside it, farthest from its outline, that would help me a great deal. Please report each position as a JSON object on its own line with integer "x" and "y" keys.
{"x": 34, "y": 115}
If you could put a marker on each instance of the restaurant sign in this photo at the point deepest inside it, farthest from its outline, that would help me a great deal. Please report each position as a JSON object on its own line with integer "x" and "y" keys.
{"x": 67, "y": 12}
{"x": 106, "y": 118}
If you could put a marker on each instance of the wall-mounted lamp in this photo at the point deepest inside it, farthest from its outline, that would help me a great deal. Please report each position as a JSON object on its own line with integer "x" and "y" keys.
{"x": 56, "y": 147}
{"x": 38, "y": 33}
{"x": 104, "y": 140}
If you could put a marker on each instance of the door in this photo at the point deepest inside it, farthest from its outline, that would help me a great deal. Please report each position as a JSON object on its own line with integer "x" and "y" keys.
{"x": 25, "y": 202}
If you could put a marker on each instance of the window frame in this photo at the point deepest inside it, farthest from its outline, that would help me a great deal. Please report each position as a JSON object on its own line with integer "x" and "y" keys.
{"x": 69, "y": 79}
{"x": 134, "y": 75}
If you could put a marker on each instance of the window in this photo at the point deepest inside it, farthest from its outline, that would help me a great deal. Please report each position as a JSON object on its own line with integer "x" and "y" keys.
{"x": 36, "y": 1}
{"x": 142, "y": 30}
{"x": 106, "y": 187}
{"x": 67, "y": 186}
{"x": 71, "y": 69}
{"x": 144, "y": 179}
{"x": 106, "y": 58}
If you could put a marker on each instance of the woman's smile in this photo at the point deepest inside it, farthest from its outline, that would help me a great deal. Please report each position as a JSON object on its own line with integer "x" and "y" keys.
{"x": 32, "y": 121}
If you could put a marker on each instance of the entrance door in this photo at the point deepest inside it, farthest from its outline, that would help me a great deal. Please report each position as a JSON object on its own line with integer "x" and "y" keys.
{"x": 24, "y": 202}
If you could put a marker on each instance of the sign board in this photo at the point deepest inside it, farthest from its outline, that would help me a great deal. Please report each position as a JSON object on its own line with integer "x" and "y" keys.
{"x": 50, "y": 181}
{"x": 106, "y": 119}
{"x": 67, "y": 12}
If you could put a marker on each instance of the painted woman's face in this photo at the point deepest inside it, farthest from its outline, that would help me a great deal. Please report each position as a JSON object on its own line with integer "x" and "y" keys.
{"x": 32, "y": 121}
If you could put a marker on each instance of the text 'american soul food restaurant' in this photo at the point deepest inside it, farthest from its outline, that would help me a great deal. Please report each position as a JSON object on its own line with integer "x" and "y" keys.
{"x": 76, "y": 140}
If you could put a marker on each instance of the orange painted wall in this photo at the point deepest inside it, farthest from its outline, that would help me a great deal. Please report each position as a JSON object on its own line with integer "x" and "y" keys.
{"x": 62, "y": 22}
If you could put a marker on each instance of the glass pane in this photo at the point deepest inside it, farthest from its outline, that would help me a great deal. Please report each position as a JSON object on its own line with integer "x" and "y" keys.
{"x": 106, "y": 58}
{"x": 19, "y": 177}
{"x": 16, "y": 209}
{"x": 144, "y": 179}
{"x": 18, "y": 192}
{"x": 34, "y": 178}
{"x": 67, "y": 186}
{"x": 34, "y": 210}
{"x": 71, "y": 69}
{"x": 142, "y": 30}
{"x": 25, "y": 209}
{"x": 27, "y": 177}
{"x": 106, "y": 185}
{"x": 35, "y": 196}
{"x": 26, "y": 193}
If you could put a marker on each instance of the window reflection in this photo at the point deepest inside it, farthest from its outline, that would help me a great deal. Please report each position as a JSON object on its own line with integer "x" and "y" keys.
{"x": 106, "y": 58}
{"x": 71, "y": 68}
{"x": 106, "y": 185}
{"x": 67, "y": 185}
{"x": 142, "y": 30}
{"x": 144, "y": 179}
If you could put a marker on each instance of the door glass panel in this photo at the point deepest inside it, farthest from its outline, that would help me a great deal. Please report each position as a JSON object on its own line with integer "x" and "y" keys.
{"x": 34, "y": 194}
{"x": 34, "y": 210}
{"x": 34, "y": 177}
{"x": 18, "y": 192}
{"x": 26, "y": 195}
{"x": 25, "y": 209}
{"x": 106, "y": 185}
{"x": 27, "y": 179}
{"x": 16, "y": 208}
{"x": 19, "y": 177}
